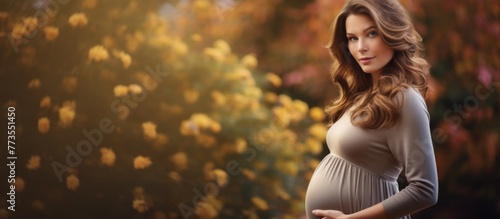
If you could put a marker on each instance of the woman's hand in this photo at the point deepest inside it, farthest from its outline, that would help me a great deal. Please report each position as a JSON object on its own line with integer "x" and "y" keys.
{"x": 329, "y": 214}
{"x": 374, "y": 212}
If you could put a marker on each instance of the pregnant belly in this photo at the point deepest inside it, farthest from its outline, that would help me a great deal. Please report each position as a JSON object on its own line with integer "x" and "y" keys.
{"x": 340, "y": 185}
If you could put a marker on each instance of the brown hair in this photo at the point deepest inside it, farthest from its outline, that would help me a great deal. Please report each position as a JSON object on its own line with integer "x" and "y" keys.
{"x": 406, "y": 68}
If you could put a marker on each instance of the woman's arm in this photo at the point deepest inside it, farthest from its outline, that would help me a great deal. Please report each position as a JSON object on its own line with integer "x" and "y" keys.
{"x": 410, "y": 142}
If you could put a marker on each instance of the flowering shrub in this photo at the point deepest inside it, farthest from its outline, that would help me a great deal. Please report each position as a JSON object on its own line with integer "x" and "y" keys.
{"x": 185, "y": 116}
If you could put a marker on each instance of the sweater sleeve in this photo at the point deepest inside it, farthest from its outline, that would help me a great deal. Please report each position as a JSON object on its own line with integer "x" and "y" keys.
{"x": 411, "y": 144}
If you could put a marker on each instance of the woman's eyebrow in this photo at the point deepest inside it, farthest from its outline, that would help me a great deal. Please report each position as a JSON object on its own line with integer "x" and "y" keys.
{"x": 364, "y": 31}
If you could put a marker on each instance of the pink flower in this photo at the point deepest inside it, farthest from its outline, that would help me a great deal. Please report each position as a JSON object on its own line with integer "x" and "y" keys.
{"x": 484, "y": 75}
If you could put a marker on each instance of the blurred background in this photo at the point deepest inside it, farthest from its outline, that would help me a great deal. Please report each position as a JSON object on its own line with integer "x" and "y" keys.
{"x": 214, "y": 108}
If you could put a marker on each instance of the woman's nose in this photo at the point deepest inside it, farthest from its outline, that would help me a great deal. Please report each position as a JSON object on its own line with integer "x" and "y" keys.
{"x": 362, "y": 46}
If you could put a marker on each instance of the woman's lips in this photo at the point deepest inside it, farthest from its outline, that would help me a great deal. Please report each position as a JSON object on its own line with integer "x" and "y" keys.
{"x": 365, "y": 61}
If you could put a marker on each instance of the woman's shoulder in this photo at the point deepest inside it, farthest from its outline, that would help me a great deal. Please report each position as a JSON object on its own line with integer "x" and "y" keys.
{"x": 408, "y": 92}
{"x": 412, "y": 101}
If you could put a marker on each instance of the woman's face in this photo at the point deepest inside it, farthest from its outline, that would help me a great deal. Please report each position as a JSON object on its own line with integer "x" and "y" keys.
{"x": 366, "y": 44}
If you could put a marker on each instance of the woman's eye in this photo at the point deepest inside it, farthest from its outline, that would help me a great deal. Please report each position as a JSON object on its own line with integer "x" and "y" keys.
{"x": 351, "y": 39}
{"x": 372, "y": 34}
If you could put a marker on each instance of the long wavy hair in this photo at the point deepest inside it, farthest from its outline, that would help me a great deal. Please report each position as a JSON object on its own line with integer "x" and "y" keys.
{"x": 407, "y": 68}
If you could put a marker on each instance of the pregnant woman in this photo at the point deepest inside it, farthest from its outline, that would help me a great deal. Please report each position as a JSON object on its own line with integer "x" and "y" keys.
{"x": 380, "y": 123}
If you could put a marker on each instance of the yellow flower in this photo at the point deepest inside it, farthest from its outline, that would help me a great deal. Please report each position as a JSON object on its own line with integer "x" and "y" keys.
{"x": 255, "y": 105}
{"x": 220, "y": 176}
{"x": 300, "y": 106}
{"x": 51, "y": 33}
{"x": 45, "y": 102}
{"x": 201, "y": 4}
{"x": 72, "y": 182}
{"x": 18, "y": 31}
{"x": 67, "y": 114}
{"x": 281, "y": 116}
{"x": 196, "y": 37}
{"x": 160, "y": 41}
{"x": 318, "y": 131}
{"x": 218, "y": 97}
{"x": 314, "y": 146}
{"x": 260, "y": 203}
{"x": 149, "y": 130}
{"x": 140, "y": 205}
{"x": 133, "y": 41}
{"x": 43, "y": 125}
{"x": 108, "y": 157}
{"x": 202, "y": 120}
{"x": 274, "y": 79}
{"x": 19, "y": 184}
{"x": 28, "y": 25}
{"x": 188, "y": 127}
{"x": 135, "y": 89}
{"x": 265, "y": 136}
{"x": 253, "y": 92}
{"x": 249, "y": 61}
{"x": 208, "y": 208}
{"x": 120, "y": 90}
{"x": 241, "y": 145}
{"x": 175, "y": 176}
{"x": 141, "y": 162}
{"x": 34, "y": 84}
{"x": 237, "y": 102}
{"x": 238, "y": 74}
{"x": 179, "y": 47}
{"x": 78, "y": 20}
{"x": 270, "y": 97}
{"x": 208, "y": 167}
{"x": 124, "y": 58}
{"x": 298, "y": 110}
{"x": 191, "y": 95}
{"x": 215, "y": 127}
{"x": 288, "y": 167}
{"x": 98, "y": 53}
{"x": 280, "y": 192}
{"x": 180, "y": 160}
{"x": 285, "y": 100}
{"x": 249, "y": 81}
{"x": 222, "y": 46}
{"x": 217, "y": 55}
{"x": 317, "y": 114}
{"x": 31, "y": 23}
{"x": 33, "y": 162}
{"x": 249, "y": 174}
